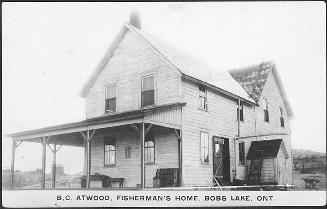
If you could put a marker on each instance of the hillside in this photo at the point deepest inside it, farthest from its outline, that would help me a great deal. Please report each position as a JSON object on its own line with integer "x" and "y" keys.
{"x": 306, "y": 153}
{"x": 307, "y": 161}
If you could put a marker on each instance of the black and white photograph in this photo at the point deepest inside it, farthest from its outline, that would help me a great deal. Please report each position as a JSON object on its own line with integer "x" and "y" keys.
{"x": 163, "y": 104}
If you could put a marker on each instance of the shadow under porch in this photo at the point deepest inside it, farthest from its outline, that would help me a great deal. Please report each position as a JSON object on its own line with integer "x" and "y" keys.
{"x": 117, "y": 152}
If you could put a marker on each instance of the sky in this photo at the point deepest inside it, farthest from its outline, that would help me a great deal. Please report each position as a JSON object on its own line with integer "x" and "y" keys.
{"x": 50, "y": 49}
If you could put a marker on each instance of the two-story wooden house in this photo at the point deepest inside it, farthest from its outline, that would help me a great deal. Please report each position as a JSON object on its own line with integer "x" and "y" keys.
{"x": 154, "y": 111}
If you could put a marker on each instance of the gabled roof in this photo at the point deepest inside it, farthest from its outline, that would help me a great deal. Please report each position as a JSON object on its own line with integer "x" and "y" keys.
{"x": 184, "y": 63}
{"x": 269, "y": 148}
{"x": 253, "y": 80}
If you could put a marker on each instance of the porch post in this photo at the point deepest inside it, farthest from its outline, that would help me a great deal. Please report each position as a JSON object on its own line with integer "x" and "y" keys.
{"x": 180, "y": 162}
{"x": 43, "y": 163}
{"x": 142, "y": 158}
{"x": 180, "y": 157}
{"x": 13, "y": 151}
{"x": 54, "y": 151}
{"x": 88, "y": 165}
{"x": 87, "y": 140}
{"x": 85, "y": 157}
{"x": 54, "y": 166}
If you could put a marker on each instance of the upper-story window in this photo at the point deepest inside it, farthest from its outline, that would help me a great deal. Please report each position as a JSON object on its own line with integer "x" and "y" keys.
{"x": 147, "y": 95}
{"x": 281, "y": 117}
{"x": 241, "y": 112}
{"x": 111, "y": 94}
{"x": 110, "y": 151}
{"x": 203, "y": 97}
{"x": 265, "y": 110}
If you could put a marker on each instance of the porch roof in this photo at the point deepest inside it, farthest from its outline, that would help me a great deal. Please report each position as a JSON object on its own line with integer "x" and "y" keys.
{"x": 111, "y": 120}
{"x": 269, "y": 149}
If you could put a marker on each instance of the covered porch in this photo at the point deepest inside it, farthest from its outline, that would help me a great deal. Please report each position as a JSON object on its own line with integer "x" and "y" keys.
{"x": 131, "y": 159}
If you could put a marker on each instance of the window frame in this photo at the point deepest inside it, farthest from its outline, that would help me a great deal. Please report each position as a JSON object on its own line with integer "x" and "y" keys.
{"x": 105, "y": 98}
{"x": 241, "y": 112}
{"x": 106, "y": 140}
{"x": 240, "y": 162}
{"x": 150, "y": 137}
{"x": 154, "y": 90}
{"x": 282, "y": 121}
{"x": 128, "y": 152}
{"x": 265, "y": 110}
{"x": 205, "y": 96}
{"x": 204, "y": 147}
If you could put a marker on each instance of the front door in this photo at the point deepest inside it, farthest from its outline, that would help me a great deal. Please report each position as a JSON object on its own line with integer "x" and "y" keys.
{"x": 221, "y": 165}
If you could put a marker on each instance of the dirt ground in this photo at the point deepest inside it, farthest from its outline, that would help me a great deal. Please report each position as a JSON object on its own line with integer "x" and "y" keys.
{"x": 299, "y": 183}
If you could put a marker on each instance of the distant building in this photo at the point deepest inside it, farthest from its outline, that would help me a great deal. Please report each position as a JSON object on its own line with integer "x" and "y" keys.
{"x": 60, "y": 170}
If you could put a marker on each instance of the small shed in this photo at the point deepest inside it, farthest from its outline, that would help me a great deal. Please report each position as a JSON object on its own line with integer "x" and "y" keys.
{"x": 266, "y": 162}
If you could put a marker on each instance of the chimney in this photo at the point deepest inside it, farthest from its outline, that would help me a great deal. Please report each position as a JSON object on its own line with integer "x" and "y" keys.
{"x": 134, "y": 19}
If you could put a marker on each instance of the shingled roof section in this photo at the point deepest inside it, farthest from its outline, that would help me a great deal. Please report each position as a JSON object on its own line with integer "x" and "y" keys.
{"x": 253, "y": 78}
{"x": 269, "y": 148}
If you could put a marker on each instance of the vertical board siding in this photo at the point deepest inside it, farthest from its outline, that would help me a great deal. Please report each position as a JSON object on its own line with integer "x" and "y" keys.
{"x": 166, "y": 155}
{"x": 130, "y": 61}
{"x": 169, "y": 116}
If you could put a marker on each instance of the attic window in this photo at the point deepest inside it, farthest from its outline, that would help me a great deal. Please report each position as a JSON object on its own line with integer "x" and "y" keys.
{"x": 111, "y": 93}
{"x": 281, "y": 117}
{"x": 203, "y": 97}
{"x": 241, "y": 112}
{"x": 265, "y": 110}
{"x": 147, "y": 95}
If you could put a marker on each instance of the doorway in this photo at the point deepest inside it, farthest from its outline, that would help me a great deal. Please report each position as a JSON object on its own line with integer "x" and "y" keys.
{"x": 221, "y": 161}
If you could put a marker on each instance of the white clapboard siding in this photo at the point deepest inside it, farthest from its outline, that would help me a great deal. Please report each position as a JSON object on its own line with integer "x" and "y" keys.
{"x": 132, "y": 60}
{"x": 242, "y": 170}
{"x": 166, "y": 156}
{"x": 274, "y": 98}
{"x": 219, "y": 120}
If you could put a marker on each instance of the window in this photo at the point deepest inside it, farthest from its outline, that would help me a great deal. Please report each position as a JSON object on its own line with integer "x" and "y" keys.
{"x": 241, "y": 152}
{"x": 147, "y": 95}
{"x": 281, "y": 117}
{"x": 111, "y": 91}
{"x": 204, "y": 138}
{"x": 203, "y": 97}
{"x": 110, "y": 151}
{"x": 241, "y": 112}
{"x": 149, "y": 148}
{"x": 127, "y": 152}
{"x": 266, "y": 113}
